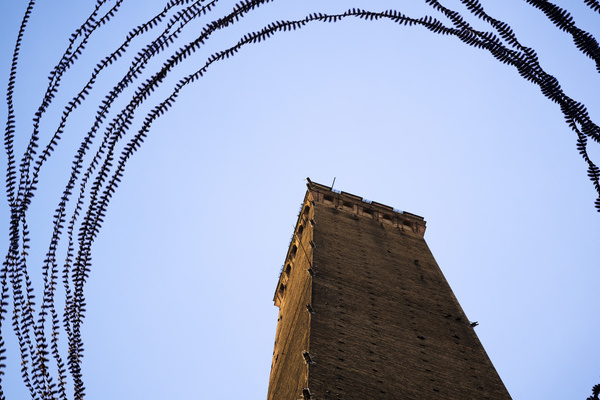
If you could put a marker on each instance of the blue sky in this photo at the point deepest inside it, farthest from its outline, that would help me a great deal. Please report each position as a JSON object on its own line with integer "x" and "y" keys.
{"x": 180, "y": 295}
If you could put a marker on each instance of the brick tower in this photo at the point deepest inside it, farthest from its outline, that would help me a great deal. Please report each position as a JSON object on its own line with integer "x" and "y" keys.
{"x": 366, "y": 313}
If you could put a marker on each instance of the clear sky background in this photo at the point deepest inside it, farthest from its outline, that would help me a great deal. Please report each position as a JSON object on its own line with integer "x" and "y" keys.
{"x": 180, "y": 296}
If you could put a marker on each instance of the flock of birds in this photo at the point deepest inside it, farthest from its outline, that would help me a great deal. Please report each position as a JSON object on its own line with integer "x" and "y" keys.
{"x": 99, "y": 164}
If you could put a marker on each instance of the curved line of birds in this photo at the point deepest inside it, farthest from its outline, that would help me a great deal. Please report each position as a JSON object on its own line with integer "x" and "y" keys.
{"x": 105, "y": 170}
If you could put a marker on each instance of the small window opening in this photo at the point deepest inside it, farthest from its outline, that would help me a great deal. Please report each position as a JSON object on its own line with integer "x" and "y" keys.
{"x": 281, "y": 289}
{"x": 288, "y": 269}
{"x": 305, "y": 210}
{"x": 306, "y": 394}
{"x": 367, "y": 211}
{"x": 293, "y": 252}
{"x": 300, "y": 230}
{"x": 387, "y": 218}
{"x": 312, "y": 222}
{"x": 307, "y": 358}
{"x": 348, "y": 204}
{"x": 327, "y": 198}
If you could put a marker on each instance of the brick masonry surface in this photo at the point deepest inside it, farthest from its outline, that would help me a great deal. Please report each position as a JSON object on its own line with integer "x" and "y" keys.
{"x": 384, "y": 322}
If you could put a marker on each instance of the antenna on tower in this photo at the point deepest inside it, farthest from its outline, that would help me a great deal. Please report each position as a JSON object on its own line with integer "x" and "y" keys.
{"x": 333, "y": 184}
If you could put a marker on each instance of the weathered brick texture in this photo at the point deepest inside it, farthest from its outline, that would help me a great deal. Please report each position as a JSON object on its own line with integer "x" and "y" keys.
{"x": 385, "y": 323}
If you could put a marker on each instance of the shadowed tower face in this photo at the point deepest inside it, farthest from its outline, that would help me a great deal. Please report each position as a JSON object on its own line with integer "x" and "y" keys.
{"x": 366, "y": 313}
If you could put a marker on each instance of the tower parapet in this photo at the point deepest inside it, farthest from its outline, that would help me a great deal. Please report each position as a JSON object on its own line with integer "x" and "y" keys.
{"x": 359, "y": 206}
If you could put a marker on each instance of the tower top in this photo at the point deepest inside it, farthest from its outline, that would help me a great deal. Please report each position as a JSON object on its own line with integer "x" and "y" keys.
{"x": 362, "y": 207}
